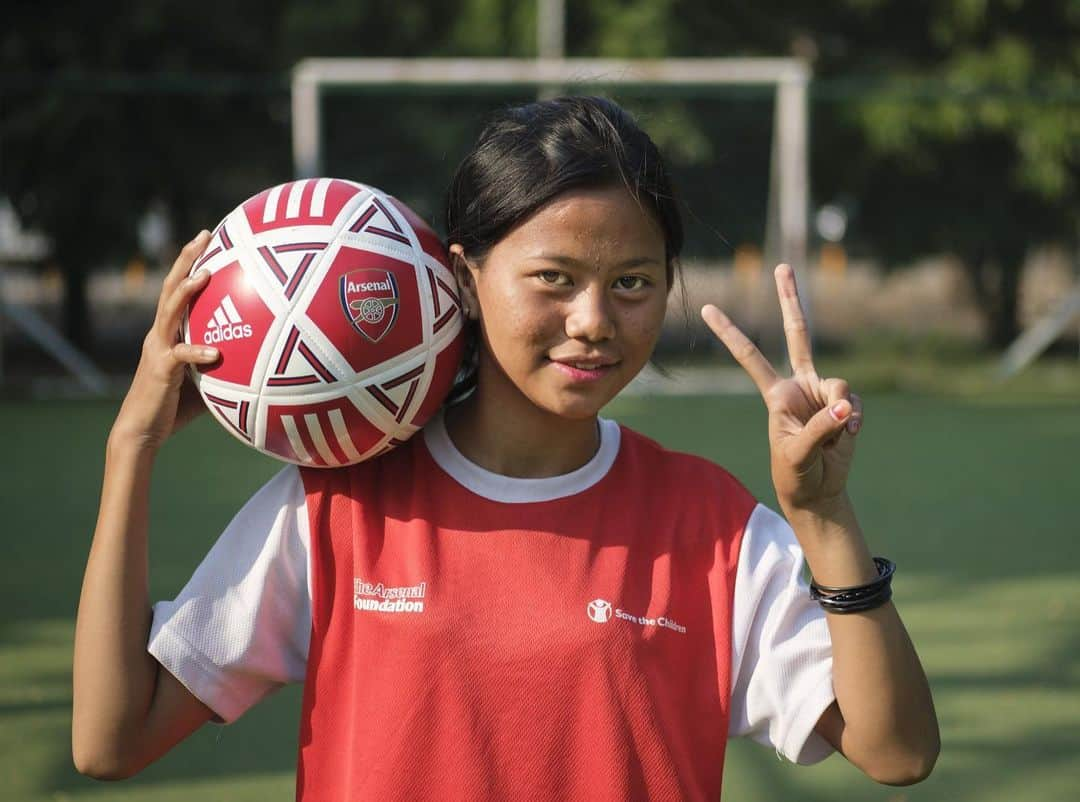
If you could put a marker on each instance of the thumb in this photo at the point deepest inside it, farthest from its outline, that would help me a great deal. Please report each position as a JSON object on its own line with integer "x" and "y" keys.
{"x": 824, "y": 426}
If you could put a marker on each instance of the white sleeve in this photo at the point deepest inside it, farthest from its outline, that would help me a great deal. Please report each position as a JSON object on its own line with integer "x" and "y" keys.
{"x": 781, "y": 652}
{"x": 240, "y": 627}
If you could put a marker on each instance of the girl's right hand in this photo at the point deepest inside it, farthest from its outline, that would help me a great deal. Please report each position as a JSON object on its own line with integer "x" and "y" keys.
{"x": 161, "y": 398}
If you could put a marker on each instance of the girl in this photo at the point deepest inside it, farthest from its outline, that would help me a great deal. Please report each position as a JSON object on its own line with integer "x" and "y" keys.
{"x": 525, "y": 601}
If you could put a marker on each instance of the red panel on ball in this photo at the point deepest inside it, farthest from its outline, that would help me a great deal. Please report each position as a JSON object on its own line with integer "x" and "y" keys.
{"x": 310, "y": 201}
{"x": 368, "y": 306}
{"x": 429, "y": 240}
{"x": 446, "y": 368}
{"x": 337, "y": 435}
{"x": 230, "y": 316}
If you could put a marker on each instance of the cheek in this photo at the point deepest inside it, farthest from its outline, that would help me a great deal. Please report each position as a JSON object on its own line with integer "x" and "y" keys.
{"x": 514, "y": 318}
{"x": 645, "y": 324}
{"x": 512, "y": 328}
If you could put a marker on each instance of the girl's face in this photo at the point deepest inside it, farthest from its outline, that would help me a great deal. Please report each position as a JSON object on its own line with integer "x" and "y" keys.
{"x": 570, "y": 303}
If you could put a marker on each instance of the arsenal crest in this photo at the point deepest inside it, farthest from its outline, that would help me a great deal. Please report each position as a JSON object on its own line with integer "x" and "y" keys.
{"x": 370, "y": 300}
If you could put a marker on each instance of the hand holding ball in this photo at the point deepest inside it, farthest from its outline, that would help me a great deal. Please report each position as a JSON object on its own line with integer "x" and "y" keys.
{"x": 337, "y": 319}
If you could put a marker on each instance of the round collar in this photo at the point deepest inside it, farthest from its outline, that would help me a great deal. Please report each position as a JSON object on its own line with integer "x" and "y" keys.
{"x": 515, "y": 490}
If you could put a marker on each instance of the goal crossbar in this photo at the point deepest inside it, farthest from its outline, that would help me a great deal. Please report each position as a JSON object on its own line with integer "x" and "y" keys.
{"x": 538, "y": 72}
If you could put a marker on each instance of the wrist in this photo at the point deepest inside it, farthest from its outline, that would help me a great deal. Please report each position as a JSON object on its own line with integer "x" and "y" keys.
{"x": 823, "y": 516}
{"x": 131, "y": 441}
{"x": 832, "y": 543}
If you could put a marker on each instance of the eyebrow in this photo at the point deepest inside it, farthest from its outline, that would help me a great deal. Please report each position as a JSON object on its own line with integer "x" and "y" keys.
{"x": 569, "y": 261}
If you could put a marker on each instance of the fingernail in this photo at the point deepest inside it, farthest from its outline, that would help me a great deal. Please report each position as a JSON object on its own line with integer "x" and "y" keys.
{"x": 200, "y": 274}
{"x": 209, "y": 353}
{"x": 839, "y": 410}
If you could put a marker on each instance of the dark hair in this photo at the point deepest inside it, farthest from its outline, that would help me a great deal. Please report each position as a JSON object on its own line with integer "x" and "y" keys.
{"x": 528, "y": 155}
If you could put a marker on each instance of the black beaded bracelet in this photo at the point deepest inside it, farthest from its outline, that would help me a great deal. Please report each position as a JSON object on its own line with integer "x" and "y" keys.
{"x": 859, "y": 598}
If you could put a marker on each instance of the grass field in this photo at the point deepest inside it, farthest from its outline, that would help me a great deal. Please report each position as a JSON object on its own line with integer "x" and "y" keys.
{"x": 976, "y": 500}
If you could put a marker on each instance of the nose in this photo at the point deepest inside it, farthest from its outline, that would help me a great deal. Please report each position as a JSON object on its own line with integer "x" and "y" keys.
{"x": 589, "y": 316}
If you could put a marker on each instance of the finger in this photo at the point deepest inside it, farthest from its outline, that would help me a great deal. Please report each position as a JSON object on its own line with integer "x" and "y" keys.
{"x": 169, "y": 317}
{"x": 182, "y": 266}
{"x": 744, "y": 351}
{"x": 820, "y": 429}
{"x": 833, "y": 390}
{"x": 855, "y": 422}
{"x": 195, "y": 354}
{"x": 795, "y": 329}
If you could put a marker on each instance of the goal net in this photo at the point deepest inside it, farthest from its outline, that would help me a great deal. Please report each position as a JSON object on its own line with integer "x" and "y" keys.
{"x": 735, "y": 133}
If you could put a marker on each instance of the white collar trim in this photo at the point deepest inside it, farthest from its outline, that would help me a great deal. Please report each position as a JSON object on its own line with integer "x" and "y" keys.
{"x": 513, "y": 490}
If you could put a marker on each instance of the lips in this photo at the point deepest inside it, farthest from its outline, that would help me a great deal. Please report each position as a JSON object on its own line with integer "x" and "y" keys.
{"x": 586, "y": 363}
{"x": 584, "y": 369}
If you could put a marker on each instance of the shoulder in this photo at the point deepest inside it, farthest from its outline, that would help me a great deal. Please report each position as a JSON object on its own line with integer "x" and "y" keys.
{"x": 682, "y": 475}
{"x": 687, "y": 469}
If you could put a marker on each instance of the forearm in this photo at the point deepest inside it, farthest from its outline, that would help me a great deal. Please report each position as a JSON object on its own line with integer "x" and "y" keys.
{"x": 889, "y": 728}
{"x": 113, "y": 675}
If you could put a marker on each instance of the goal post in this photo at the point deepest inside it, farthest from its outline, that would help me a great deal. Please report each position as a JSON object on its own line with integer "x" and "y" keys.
{"x": 788, "y": 207}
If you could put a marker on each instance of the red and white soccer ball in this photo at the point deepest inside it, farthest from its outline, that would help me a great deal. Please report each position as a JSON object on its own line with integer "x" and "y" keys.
{"x": 337, "y": 319}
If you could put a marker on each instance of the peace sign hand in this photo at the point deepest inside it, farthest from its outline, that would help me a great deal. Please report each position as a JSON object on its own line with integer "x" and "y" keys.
{"x": 812, "y": 421}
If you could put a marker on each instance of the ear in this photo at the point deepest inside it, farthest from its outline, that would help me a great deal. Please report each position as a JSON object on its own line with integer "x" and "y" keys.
{"x": 465, "y": 275}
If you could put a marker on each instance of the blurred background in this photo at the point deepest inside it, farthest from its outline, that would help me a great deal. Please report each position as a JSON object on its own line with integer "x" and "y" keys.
{"x": 936, "y": 243}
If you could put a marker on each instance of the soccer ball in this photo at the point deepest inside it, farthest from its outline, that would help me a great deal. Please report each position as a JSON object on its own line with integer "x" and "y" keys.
{"x": 337, "y": 319}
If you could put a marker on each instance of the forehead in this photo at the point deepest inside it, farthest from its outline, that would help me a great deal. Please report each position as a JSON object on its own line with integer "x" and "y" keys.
{"x": 590, "y": 223}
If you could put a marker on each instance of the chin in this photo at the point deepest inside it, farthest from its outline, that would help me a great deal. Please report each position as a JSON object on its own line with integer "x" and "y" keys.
{"x": 579, "y": 413}
{"x": 576, "y": 408}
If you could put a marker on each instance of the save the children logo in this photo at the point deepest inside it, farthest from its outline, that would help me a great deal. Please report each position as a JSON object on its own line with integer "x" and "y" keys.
{"x": 380, "y": 598}
{"x": 600, "y": 611}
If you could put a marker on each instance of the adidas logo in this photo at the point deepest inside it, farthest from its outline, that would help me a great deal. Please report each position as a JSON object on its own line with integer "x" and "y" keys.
{"x": 226, "y": 324}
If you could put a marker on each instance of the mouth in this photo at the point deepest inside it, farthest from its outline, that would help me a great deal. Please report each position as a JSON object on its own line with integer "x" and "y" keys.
{"x": 584, "y": 369}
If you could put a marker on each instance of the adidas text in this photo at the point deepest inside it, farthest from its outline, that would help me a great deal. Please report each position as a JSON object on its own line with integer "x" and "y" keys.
{"x": 225, "y": 333}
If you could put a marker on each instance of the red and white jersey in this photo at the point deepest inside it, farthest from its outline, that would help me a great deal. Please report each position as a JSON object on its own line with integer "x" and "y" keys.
{"x": 597, "y": 635}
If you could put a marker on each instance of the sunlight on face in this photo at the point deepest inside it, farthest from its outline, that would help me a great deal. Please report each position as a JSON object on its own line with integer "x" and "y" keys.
{"x": 571, "y": 302}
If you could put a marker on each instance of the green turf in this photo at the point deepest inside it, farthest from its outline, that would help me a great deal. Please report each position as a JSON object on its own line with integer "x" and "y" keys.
{"x": 977, "y": 503}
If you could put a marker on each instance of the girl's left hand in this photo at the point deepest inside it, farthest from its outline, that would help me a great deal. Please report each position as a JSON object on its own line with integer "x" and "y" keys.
{"x": 812, "y": 421}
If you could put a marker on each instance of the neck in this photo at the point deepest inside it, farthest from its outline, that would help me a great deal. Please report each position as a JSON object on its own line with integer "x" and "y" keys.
{"x": 520, "y": 440}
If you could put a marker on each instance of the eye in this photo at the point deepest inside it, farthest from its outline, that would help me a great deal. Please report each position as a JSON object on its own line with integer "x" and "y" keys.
{"x": 632, "y": 282}
{"x": 554, "y": 278}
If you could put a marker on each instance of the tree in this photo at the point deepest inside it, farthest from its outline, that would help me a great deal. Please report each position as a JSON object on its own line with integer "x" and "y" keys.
{"x": 954, "y": 124}
{"x": 186, "y": 106}
{"x": 102, "y": 122}
{"x": 965, "y": 138}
